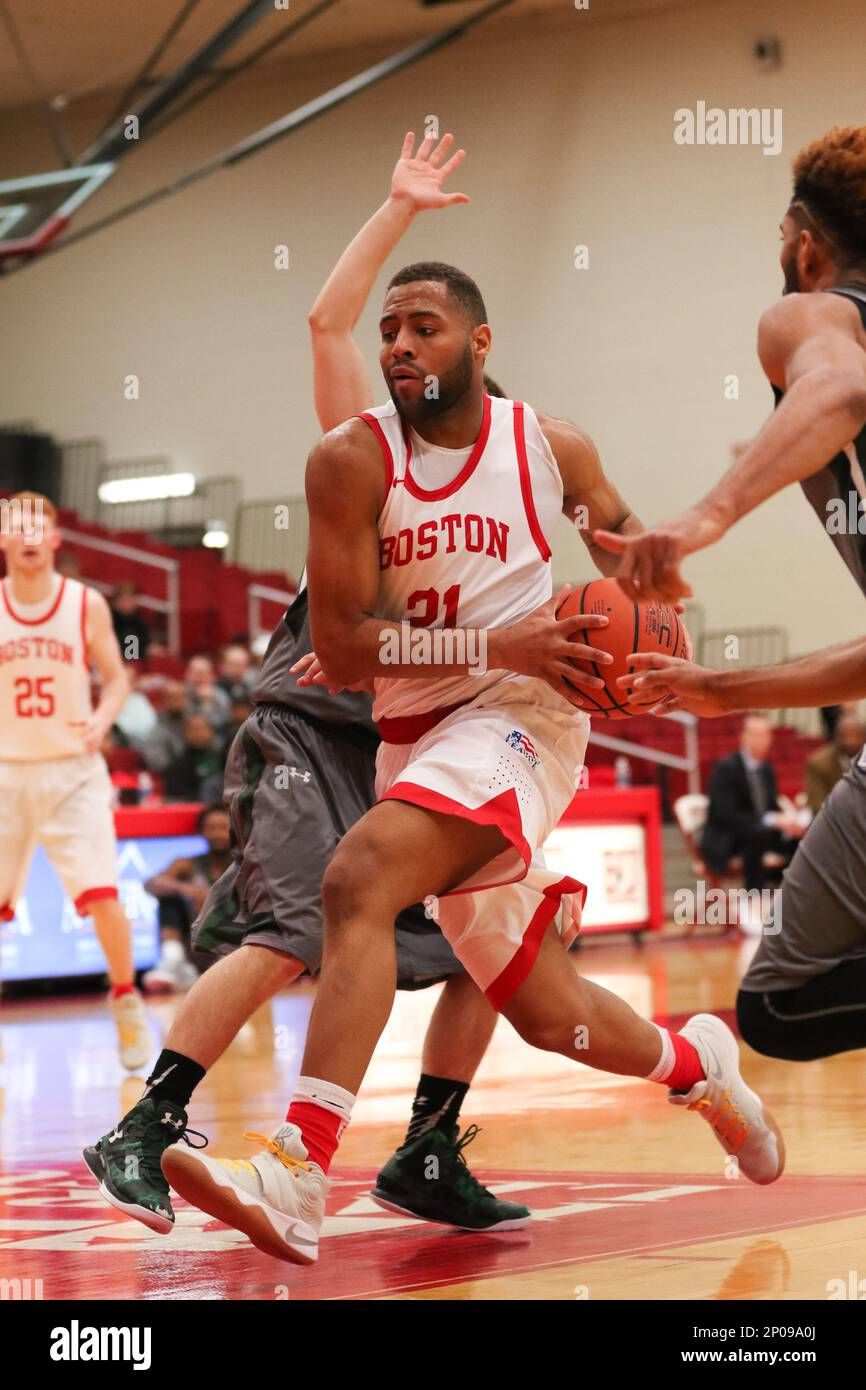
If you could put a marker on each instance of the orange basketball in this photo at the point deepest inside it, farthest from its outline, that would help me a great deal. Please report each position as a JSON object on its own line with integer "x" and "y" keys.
{"x": 634, "y": 627}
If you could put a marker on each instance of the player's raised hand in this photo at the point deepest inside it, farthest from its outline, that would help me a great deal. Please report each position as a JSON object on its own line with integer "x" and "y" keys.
{"x": 543, "y": 645}
{"x": 660, "y": 684}
{"x": 418, "y": 179}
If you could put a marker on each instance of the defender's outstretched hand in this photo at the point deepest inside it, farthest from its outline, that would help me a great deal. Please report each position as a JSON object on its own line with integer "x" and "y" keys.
{"x": 650, "y": 563}
{"x": 419, "y": 178}
{"x": 659, "y": 684}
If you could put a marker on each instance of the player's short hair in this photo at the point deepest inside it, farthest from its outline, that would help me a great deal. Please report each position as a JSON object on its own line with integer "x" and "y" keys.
{"x": 48, "y": 507}
{"x": 461, "y": 287}
{"x": 830, "y": 182}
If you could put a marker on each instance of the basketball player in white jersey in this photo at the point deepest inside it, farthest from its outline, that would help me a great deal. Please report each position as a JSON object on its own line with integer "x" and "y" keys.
{"x": 54, "y": 785}
{"x": 434, "y": 512}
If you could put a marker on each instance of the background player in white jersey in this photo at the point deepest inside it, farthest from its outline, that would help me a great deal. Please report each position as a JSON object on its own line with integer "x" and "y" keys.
{"x": 434, "y": 511}
{"x": 54, "y": 785}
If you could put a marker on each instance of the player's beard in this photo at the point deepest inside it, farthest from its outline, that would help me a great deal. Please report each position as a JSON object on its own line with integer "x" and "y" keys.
{"x": 451, "y": 387}
{"x": 792, "y": 277}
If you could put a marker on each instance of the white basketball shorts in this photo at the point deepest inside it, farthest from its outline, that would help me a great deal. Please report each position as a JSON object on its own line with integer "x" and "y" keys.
{"x": 510, "y": 758}
{"x": 63, "y": 804}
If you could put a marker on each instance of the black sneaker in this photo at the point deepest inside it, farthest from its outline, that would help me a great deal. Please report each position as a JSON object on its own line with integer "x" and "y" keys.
{"x": 127, "y": 1162}
{"x": 430, "y": 1179}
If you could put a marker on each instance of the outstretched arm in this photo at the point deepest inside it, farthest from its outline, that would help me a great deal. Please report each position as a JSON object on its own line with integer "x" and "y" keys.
{"x": 832, "y": 677}
{"x": 341, "y": 381}
{"x": 812, "y": 346}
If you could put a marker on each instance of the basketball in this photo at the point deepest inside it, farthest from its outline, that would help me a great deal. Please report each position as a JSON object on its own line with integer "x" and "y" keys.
{"x": 634, "y": 627}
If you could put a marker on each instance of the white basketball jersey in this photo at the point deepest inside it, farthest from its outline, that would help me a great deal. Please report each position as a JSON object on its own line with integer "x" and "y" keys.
{"x": 463, "y": 538}
{"x": 44, "y": 676}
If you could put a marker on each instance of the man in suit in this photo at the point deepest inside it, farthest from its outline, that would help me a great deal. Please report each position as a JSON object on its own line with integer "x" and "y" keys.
{"x": 744, "y": 817}
{"x": 828, "y": 765}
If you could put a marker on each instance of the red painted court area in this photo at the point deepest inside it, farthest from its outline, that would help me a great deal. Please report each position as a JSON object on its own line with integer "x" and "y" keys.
{"x": 55, "y": 1227}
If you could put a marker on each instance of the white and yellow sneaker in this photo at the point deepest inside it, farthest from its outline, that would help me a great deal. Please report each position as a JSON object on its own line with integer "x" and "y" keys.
{"x": 738, "y": 1118}
{"x": 133, "y": 1035}
{"x": 277, "y": 1198}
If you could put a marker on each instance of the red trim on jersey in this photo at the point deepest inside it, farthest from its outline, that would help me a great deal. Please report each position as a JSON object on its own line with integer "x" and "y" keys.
{"x": 7, "y": 912}
{"x": 408, "y": 728}
{"x": 436, "y": 494}
{"x": 93, "y": 895}
{"x": 388, "y": 457}
{"x": 503, "y": 811}
{"x": 33, "y": 622}
{"x": 526, "y": 482}
{"x": 521, "y": 963}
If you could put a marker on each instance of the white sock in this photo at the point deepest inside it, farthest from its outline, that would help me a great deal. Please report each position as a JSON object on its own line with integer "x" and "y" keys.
{"x": 326, "y": 1094}
{"x": 665, "y": 1064}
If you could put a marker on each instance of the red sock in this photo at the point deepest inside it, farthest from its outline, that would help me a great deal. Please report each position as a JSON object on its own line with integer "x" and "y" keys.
{"x": 118, "y": 991}
{"x": 687, "y": 1068}
{"x": 320, "y": 1130}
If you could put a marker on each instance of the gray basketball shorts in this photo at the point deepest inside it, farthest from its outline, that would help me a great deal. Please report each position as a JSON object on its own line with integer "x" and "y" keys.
{"x": 293, "y": 787}
{"x": 822, "y": 921}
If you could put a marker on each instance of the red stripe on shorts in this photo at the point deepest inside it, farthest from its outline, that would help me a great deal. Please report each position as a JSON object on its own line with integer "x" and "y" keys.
{"x": 93, "y": 895}
{"x": 502, "y": 811}
{"x": 521, "y": 963}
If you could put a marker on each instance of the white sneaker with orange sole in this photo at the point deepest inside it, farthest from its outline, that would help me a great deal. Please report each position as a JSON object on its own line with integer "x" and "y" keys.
{"x": 740, "y": 1121}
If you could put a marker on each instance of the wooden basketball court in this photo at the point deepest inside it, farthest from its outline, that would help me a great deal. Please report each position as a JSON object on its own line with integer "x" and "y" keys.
{"x": 630, "y": 1197}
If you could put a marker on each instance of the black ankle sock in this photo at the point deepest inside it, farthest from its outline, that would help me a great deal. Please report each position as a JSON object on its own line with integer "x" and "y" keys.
{"x": 436, "y": 1105}
{"x": 174, "y": 1078}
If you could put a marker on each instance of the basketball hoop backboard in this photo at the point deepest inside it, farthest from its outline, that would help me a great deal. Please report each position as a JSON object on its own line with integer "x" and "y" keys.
{"x": 34, "y": 210}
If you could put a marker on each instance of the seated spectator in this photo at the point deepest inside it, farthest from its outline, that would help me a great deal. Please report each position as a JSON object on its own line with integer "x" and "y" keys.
{"x": 744, "y": 817}
{"x": 235, "y": 675}
{"x": 137, "y": 719}
{"x": 197, "y": 775}
{"x": 130, "y": 627}
{"x": 181, "y": 888}
{"x": 827, "y": 765}
{"x": 165, "y": 743}
{"x": 203, "y": 695}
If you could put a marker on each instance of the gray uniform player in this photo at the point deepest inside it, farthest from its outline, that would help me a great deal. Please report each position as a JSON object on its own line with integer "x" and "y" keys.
{"x": 804, "y": 995}
{"x": 300, "y": 773}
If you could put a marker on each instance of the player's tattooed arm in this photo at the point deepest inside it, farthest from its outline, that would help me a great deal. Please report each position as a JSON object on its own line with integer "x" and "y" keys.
{"x": 341, "y": 381}
{"x": 590, "y": 500}
{"x": 104, "y": 653}
{"x": 345, "y": 493}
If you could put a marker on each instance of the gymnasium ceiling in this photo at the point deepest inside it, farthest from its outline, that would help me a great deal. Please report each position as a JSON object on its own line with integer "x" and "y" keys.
{"x": 76, "y": 48}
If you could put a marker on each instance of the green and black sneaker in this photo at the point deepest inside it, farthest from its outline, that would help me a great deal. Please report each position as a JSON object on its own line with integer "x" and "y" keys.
{"x": 127, "y": 1166}
{"x": 430, "y": 1179}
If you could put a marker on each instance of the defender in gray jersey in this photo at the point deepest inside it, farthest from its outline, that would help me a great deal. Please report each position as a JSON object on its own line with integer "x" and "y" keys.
{"x": 300, "y": 773}
{"x": 804, "y": 995}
